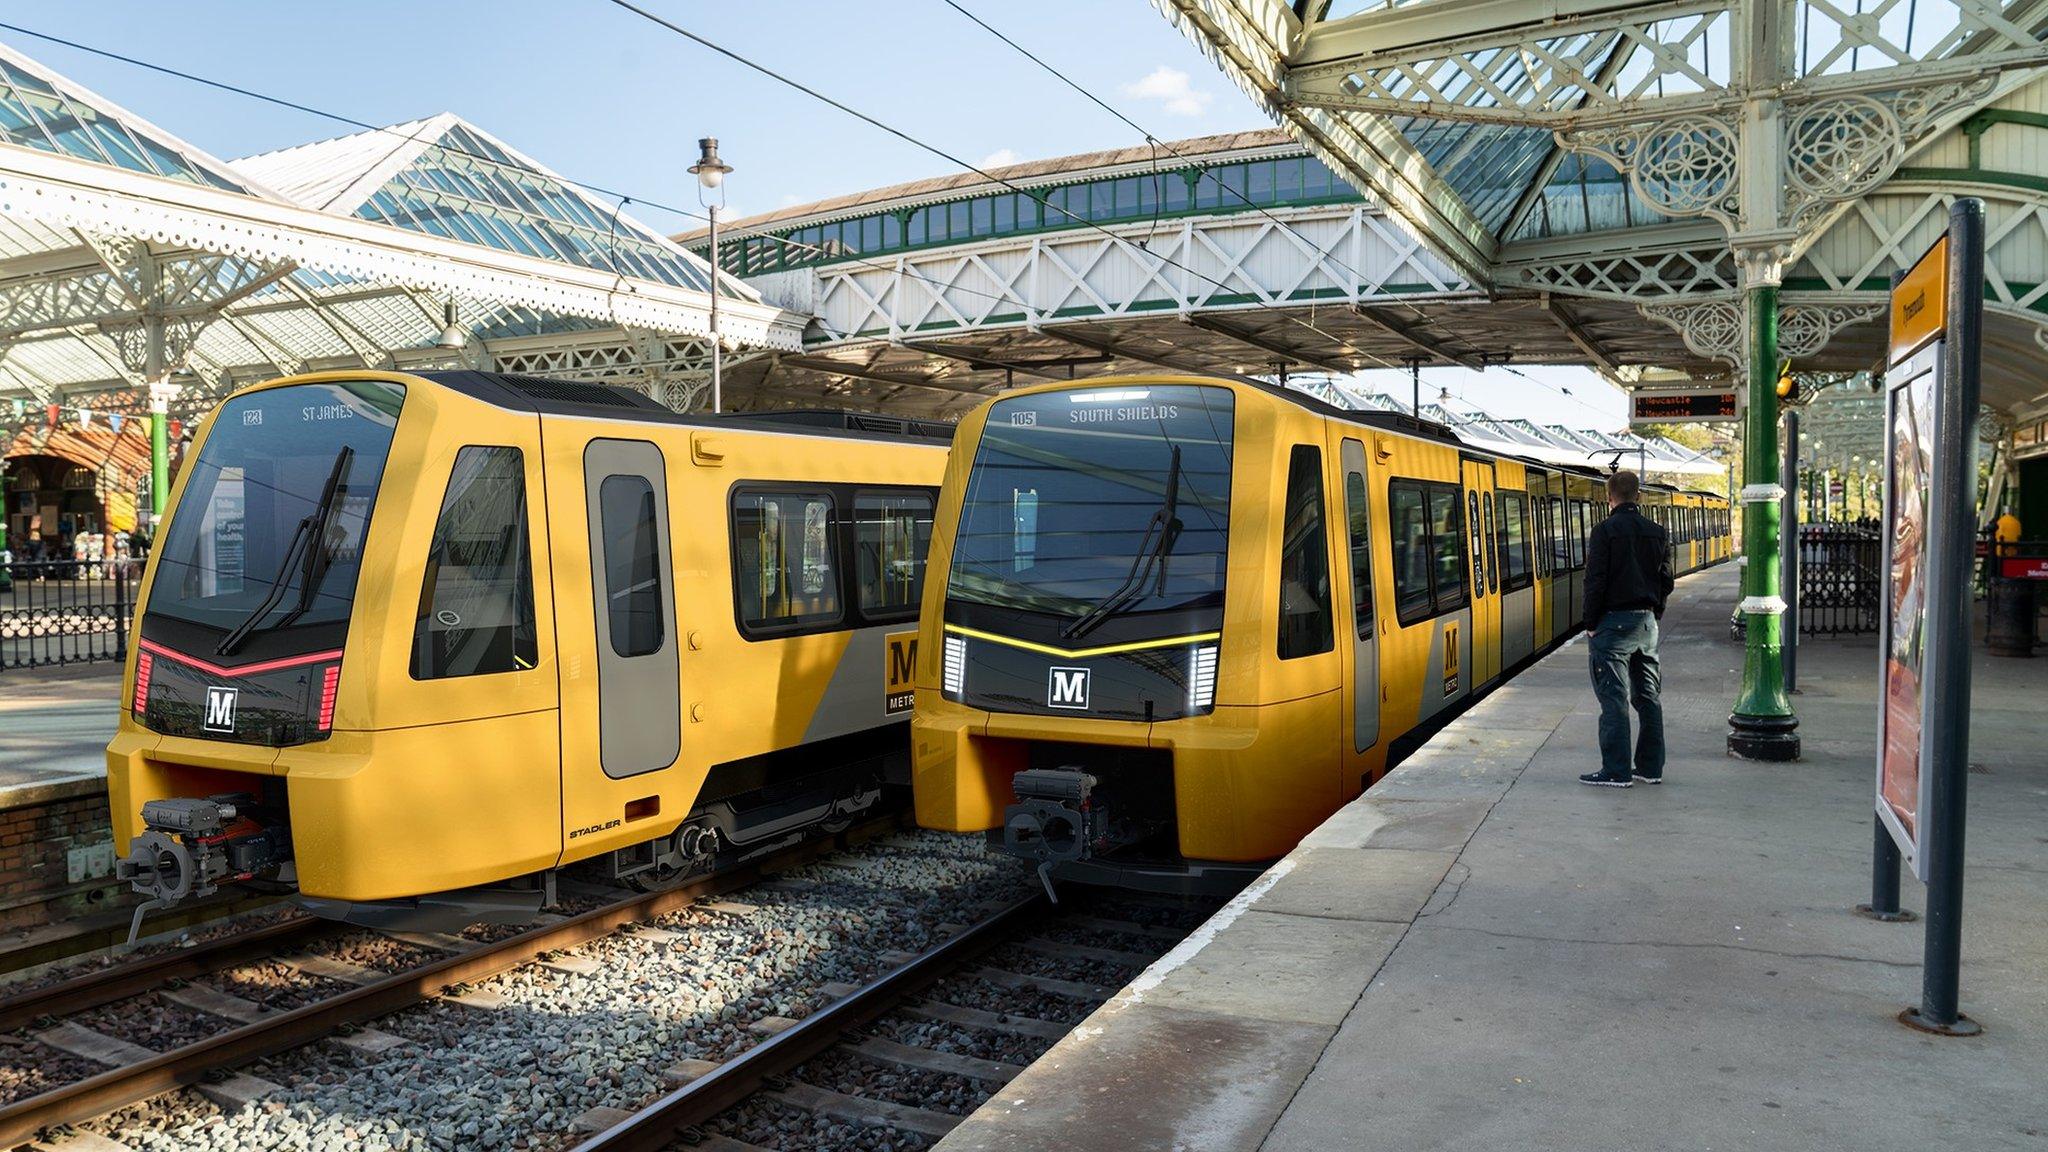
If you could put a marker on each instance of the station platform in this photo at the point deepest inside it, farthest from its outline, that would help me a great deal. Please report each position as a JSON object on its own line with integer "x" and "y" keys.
{"x": 1483, "y": 953}
{"x": 54, "y": 726}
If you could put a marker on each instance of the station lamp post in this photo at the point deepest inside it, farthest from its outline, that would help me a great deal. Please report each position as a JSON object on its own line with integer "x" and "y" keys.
{"x": 711, "y": 172}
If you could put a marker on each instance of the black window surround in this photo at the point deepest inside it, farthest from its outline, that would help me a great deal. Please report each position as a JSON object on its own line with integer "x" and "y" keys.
{"x": 1442, "y": 601}
{"x": 843, "y": 535}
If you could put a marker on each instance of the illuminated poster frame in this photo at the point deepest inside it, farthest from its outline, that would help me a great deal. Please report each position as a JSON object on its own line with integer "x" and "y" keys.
{"x": 1912, "y": 391}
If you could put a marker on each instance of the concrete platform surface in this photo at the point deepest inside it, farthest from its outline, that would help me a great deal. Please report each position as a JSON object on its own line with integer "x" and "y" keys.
{"x": 54, "y": 726}
{"x": 1481, "y": 953}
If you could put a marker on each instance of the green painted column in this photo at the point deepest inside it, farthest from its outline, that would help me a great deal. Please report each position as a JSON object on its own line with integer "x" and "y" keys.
{"x": 159, "y": 462}
{"x": 1762, "y": 726}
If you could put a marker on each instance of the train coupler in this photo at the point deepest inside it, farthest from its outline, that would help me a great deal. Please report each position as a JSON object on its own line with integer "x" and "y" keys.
{"x": 189, "y": 845}
{"x": 1055, "y": 820}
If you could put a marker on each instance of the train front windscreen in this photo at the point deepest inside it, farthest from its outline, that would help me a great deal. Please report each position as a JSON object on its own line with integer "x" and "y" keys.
{"x": 255, "y": 578}
{"x": 1088, "y": 570}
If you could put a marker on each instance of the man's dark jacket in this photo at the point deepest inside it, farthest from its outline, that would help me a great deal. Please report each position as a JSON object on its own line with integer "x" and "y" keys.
{"x": 1628, "y": 565}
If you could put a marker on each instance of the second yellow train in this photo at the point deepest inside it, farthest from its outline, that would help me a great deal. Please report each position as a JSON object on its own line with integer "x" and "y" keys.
{"x": 1172, "y": 623}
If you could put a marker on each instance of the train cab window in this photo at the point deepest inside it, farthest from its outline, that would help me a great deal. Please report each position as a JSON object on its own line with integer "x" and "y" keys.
{"x": 1305, "y": 627}
{"x": 891, "y": 534}
{"x": 785, "y": 570}
{"x": 1410, "y": 540}
{"x": 1514, "y": 541}
{"x": 476, "y": 603}
{"x": 632, "y": 571}
{"x": 1357, "y": 520}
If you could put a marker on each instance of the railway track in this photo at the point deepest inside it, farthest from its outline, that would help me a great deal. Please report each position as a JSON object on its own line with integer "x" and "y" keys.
{"x": 141, "y": 1073}
{"x": 802, "y": 1068}
{"x": 133, "y": 977}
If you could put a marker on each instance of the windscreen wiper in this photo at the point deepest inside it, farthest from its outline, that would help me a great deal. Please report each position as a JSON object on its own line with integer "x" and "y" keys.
{"x": 1160, "y": 534}
{"x": 305, "y": 549}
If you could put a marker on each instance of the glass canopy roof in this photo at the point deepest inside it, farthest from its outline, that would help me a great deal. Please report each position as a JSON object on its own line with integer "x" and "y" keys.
{"x": 1491, "y": 166}
{"x": 465, "y": 187}
{"x": 35, "y": 114}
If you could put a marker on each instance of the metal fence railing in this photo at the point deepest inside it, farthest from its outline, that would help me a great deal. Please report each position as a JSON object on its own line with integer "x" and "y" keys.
{"x": 1840, "y": 584}
{"x": 66, "y": 611}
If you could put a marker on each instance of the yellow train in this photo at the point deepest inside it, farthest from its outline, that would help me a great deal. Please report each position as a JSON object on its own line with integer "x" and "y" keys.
{"x": 1175, "y": 622}
{"x": 410, "y": 643}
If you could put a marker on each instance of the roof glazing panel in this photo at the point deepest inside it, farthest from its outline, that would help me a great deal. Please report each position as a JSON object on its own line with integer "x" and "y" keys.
{"x": 35, "y": 114}
{"x": 463, "y": 187}
{"x": 1585, "y": 194}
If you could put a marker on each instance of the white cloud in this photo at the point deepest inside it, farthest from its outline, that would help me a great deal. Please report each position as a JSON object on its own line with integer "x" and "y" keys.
{"x": 1000, "y": 158}
{"x": 1174, "y": 91}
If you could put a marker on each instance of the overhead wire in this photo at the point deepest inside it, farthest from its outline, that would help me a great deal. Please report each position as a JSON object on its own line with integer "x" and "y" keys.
{"x": 341, "y": 118}
{"x": 883, "y": 126}
{"x": 1150, "y": 138}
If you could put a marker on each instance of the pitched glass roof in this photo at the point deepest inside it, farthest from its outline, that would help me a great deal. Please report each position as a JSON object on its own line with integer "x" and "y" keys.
{"x": 1585, "y": 194}
{"x": 34, "y": 113}
{"x": 465, "y": 187}
{"x": 1487, "y": 165}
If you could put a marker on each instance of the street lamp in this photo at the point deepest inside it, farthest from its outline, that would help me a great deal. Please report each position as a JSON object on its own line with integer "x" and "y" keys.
{"x": 710, "y": 172}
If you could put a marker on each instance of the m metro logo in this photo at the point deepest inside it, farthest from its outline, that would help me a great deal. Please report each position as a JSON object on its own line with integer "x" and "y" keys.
{"x": 220, "y": 709}
{"x": 898, "y": 688}
{"x": 1450, "y": 659}
{"x": 1067, "y": 688}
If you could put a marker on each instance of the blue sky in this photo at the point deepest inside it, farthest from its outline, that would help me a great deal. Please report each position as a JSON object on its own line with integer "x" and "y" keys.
{"x": 602, "y": 96}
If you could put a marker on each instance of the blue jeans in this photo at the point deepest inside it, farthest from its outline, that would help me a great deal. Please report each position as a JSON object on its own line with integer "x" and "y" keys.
{"x": 1622, "y": 652}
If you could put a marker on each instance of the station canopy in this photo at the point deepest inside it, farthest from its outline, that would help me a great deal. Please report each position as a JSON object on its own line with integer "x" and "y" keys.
{"x": 127, "y": 253}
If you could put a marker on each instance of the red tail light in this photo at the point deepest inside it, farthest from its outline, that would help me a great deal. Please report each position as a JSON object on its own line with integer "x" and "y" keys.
{"x": 142, "y": 663}
{"x": 328, "y": 680}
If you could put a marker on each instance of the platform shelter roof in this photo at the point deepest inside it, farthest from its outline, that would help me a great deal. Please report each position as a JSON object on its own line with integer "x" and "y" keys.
{"x": 125, "y": 251}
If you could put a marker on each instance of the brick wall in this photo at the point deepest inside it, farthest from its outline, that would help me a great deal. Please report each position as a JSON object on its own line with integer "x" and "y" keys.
{"x": 37, "y": 836}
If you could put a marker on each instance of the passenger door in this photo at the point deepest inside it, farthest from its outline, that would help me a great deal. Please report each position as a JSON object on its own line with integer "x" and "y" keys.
{"x": 1363, "y": 685}
{"x": 1479, "y": 477}
{"x": 639, "y": 711}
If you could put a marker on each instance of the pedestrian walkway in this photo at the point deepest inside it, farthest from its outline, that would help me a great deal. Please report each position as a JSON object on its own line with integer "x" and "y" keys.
{"x": 1483, "y": 953}
{"x": 54, "y": 727}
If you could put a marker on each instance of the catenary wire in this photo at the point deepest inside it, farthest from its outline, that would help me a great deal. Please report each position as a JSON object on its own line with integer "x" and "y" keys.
{"x": 353, "y": 122}
{"x": 933, "y": 149}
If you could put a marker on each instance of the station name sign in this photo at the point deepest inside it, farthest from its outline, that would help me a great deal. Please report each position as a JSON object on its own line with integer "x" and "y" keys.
{"x": 1682, "y": 407}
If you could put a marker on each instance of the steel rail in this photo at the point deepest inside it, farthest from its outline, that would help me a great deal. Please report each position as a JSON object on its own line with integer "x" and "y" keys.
{"x": 655, "y": 1126}
{"x": 119, "y": 1087}
{"x": 134, "y": 977}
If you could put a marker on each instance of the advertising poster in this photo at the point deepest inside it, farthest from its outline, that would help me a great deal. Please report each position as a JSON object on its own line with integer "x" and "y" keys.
{"x": 1911, "y": 432}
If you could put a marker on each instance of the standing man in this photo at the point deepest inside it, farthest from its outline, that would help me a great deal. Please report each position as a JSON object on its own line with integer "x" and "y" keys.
{"x": 1628, "y": 577}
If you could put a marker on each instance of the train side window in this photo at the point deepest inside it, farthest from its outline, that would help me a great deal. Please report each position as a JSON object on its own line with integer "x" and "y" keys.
{"x": 785, "y": 570}
{"x": 632, "y": 581}
{"x": 1560, "y": 552}
{"x": 1410, "y": 541}
{"x": 476, "y": 602}
{"x": 1478, "y": 552}
{"x": 1447, "y": 542}
{"x": 891, "y": 534}
{"x": 1357, "y": 519}
{"x": 1492, "y": 549}
{"x": 1514, "y": 541}
{"x": 1305, "y": 627}
{"x": 1575, "y": 534}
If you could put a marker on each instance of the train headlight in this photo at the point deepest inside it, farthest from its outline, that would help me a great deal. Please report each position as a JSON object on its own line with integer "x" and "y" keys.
{"x": 1201, "y": 678}
{"x": 956, "y": 665}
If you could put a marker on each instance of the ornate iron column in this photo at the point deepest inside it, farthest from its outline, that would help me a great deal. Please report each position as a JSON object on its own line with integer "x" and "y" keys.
{"x": 1762, "y": 726}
